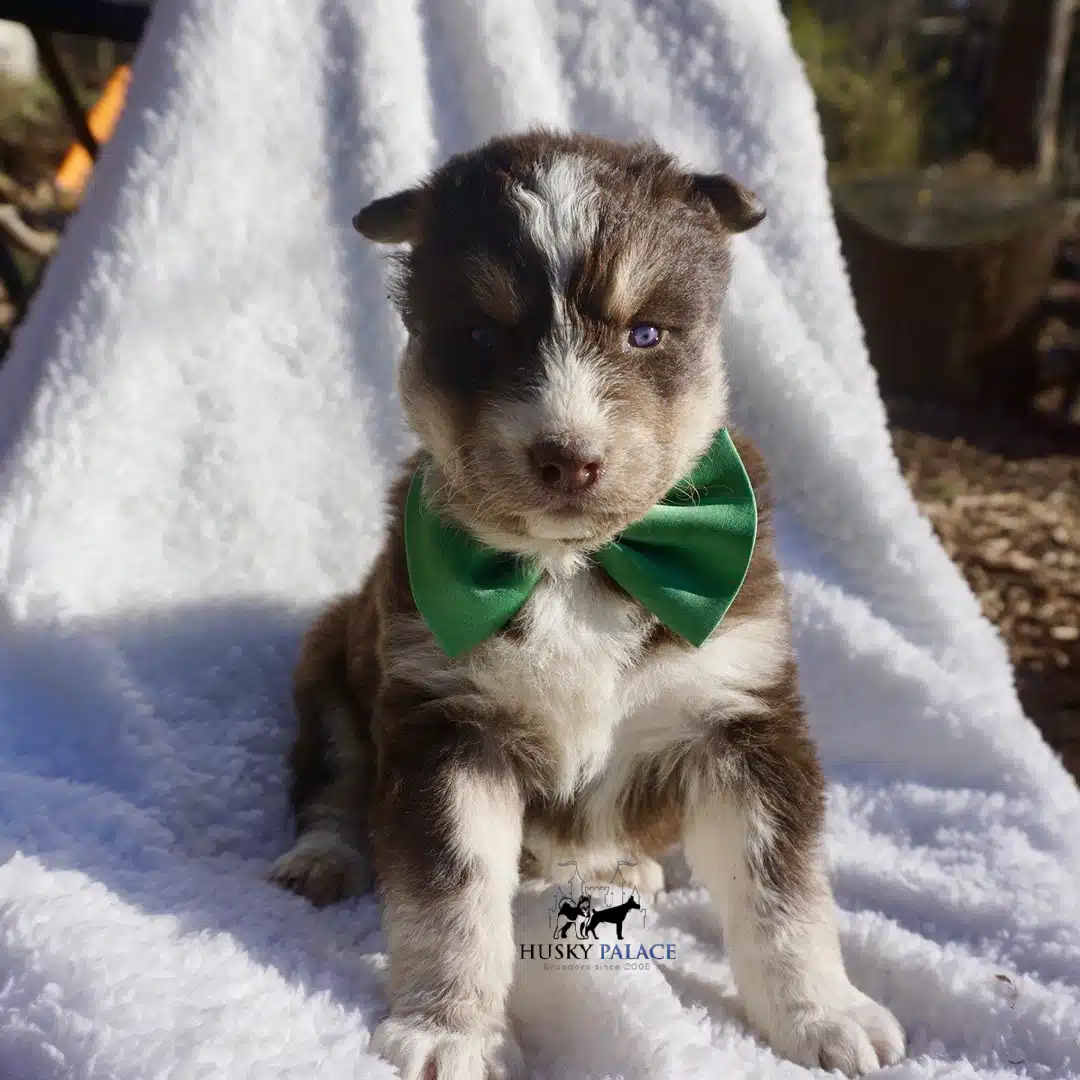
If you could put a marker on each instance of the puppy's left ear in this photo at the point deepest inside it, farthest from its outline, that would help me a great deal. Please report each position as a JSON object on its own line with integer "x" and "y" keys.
{"x": 738, "y": 207}
{"x": 394, "y": 219}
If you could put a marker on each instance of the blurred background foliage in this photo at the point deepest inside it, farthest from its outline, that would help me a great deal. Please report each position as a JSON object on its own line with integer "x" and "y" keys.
{"x": 34, "y": 133}
{"x": 874, "y": 109}
{"x": 909, "y": 83}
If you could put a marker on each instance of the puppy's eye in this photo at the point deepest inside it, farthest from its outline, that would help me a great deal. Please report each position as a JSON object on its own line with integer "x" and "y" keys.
{"x": 484, "y": 336}
{"x": 644, "y": 336}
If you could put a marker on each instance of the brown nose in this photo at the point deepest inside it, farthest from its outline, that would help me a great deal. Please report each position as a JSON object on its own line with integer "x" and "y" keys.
{"x": 562, "y": 469}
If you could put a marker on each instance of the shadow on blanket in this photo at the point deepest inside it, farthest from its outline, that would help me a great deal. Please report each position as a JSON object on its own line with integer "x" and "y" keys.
{"x": 146, "y": 752}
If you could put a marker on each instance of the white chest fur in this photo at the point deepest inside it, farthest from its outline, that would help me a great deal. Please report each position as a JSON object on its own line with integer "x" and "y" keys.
{"x": 580, "y": 671}
{"x": 573, "y": 671}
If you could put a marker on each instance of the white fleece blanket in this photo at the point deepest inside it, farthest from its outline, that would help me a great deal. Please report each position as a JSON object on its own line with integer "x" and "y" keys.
{"x": 196, "y": 427}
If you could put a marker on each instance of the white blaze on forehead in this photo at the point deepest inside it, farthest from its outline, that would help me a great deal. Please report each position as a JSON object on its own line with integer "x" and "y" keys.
{"x": 560, "y": 212}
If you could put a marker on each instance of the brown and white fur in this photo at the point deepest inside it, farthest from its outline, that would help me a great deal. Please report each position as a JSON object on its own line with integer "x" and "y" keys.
{"x": 585, "y": 729}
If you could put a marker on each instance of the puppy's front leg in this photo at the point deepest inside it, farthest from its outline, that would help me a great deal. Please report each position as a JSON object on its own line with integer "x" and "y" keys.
{"x": 753, "y": 837}
{"x": 447, "y": 833}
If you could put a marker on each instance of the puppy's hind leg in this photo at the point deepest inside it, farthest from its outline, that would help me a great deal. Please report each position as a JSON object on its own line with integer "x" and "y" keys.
{"x": 332, "y": 763}
{"x": 331, "y": 858}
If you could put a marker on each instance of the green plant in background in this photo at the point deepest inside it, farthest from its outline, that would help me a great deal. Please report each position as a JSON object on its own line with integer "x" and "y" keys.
{"x": 873, "y": 111}
{"x": 25, "y": 108}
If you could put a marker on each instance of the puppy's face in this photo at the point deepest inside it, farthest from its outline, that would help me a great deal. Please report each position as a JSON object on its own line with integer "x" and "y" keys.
{"x": 562, "y": 298}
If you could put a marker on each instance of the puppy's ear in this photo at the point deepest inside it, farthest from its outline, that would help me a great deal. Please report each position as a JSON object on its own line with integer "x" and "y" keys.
{"x": 738, "y": 207}
{"x": 394, "y": 219}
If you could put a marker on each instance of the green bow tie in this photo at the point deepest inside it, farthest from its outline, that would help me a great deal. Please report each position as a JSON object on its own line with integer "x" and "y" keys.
{"x": 685, "y": 560}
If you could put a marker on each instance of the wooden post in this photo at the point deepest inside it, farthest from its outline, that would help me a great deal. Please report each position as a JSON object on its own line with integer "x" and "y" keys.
{"x": 1025, "y": 94}
{"x": 1057, "y": 57}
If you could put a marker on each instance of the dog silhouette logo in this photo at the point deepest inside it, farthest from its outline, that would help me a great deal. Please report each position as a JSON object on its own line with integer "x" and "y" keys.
{"x": 571, "y": 913}
{"x": 596, "y": 924}
{"x": 615, "y": 915}
{"x": 580, "y": 908}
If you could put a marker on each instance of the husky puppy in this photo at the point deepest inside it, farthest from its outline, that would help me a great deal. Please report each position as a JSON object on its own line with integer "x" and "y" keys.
{"x": 563, "y": 372}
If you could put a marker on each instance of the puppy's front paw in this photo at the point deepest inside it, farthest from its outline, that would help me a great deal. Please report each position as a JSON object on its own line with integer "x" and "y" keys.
{"x": 883, "y": 1029}
{"x": 323, "y": 868}
{"x": 857, "y": 1037}
{"x": 425, "y": 1051}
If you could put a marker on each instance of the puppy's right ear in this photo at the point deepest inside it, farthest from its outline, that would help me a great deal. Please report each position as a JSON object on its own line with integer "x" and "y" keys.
{"x": 394, "y": 219}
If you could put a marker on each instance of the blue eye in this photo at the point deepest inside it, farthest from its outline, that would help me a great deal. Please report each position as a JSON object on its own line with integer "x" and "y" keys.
{"x": 644, "y": 336}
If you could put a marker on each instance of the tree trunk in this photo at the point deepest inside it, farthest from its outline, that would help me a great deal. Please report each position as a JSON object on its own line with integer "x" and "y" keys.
{"x": 951, "y": 294}
{"x": 1025, "y": 94}
{"x": 1049, "y": 115}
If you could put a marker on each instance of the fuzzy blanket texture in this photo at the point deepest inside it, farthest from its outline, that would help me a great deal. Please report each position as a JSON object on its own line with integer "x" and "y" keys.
{"x": 196, "y": 428}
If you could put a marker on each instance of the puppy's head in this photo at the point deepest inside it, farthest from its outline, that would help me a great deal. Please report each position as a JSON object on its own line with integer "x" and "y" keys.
{"x": 562, "y": 298}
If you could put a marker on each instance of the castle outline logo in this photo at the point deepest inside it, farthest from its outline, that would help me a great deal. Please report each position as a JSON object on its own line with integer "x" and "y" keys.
{"x": 596, "y": 925}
